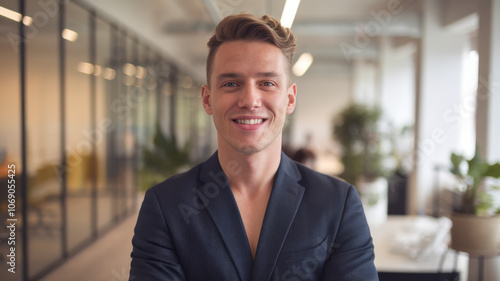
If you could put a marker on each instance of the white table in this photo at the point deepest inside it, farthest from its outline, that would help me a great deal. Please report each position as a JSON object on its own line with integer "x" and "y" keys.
{"x": 398, "y": 229}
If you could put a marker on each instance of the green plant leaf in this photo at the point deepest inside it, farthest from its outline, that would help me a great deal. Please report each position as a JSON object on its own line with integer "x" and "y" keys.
{"x": 477, "y": 168}
{"x": 493, "y": 171}
{"x": 357, "y": 131}
{"x": 164, "y": 159}
{"x": 475, "y": 200}
{"x": 485, "y": 203}
{"x": 456, "y": 161}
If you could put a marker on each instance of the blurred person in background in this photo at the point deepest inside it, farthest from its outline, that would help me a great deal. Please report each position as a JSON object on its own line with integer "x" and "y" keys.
{"x": 305, "y": 156}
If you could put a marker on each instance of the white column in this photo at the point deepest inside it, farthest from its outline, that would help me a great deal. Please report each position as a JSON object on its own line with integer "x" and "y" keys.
{"x": 488, "y": 92}
{"x": 494, "y": 127}
{"x": 439, "y": 95}
{"x": 487, "y": 107}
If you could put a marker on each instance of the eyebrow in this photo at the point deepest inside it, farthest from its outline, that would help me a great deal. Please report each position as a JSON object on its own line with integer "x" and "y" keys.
{"x": 239, "y": 75}
{"x": 267, "y": 74}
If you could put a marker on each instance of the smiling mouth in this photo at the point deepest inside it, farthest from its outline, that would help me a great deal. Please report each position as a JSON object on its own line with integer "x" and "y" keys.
{"x": 249, "y": 121}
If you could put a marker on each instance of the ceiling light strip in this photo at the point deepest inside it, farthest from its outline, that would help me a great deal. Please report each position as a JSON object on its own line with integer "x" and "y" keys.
{"x": 289, "y": 12}
{"x": 303, "y": 63}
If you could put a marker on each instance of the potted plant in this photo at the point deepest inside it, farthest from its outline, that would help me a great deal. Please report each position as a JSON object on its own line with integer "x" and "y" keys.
{"x": 165, "y": 159}
{"x": 476, "y": 220}
{"x": 356, "y": 129}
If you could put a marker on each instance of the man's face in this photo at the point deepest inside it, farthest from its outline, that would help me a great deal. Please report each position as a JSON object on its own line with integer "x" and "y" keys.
{"x": 249, "y": 96}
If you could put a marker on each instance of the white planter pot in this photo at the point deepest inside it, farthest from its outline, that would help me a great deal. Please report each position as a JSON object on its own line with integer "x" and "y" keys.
{"x": 480, "y": 237}
{"x": 475, "y": 235}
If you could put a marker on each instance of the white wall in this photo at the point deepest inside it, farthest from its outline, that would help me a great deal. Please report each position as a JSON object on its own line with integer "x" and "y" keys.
{"x": 440, "y": 121}
{"x": 318, "y": 101}
{"x": 397, "y": 82}
{"x": 364, "y": 88}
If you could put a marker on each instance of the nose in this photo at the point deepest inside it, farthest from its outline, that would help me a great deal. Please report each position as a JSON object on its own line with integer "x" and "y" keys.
{"x": 250, "y": 97}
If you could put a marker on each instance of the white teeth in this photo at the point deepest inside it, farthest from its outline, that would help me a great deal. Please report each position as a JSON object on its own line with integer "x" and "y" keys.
{"x": 249, "y": 121}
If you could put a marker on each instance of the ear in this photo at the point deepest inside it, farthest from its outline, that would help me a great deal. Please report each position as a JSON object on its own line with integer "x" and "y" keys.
{"x": 292, "y": 98}
{"x": 205, "y": 97}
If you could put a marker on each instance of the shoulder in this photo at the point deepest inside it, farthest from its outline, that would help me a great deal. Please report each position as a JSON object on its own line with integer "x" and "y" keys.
{"x": 312, "y": 179}
{"x": 327, "y": 191}
{"x": 183, "y": 188}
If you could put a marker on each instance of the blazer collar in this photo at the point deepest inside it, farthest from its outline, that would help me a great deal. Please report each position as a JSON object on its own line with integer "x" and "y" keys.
{"x": 224, "y": 211}
{"x": 281, "y": 209}
{"x": 280, "y": 213}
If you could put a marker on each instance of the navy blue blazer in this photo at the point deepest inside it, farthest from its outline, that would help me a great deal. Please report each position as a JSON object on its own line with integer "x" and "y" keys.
{"x": 189, "y": 228}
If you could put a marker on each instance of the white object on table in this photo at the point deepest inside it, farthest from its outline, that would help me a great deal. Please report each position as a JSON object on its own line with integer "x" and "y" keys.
{"x": 415, "y": 244}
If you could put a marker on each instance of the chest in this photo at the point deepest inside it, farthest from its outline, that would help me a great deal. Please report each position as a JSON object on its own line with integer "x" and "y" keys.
{"x": 252, "y": 212}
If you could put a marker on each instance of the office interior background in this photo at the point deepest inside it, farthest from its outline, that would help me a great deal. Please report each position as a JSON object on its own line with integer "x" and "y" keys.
{"x": 91, "y": 89}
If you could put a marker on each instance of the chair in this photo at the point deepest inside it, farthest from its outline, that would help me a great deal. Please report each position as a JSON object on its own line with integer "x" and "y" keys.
{"x": 419, "y": 276}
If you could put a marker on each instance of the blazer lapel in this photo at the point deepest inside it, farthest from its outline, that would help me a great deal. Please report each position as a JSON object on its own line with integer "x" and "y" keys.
{"x": 223, "y": 209}
{"x": 281, "y": 209}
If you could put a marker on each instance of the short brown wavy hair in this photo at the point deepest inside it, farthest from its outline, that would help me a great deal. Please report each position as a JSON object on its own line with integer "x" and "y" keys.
{"x": 248, "y": 27}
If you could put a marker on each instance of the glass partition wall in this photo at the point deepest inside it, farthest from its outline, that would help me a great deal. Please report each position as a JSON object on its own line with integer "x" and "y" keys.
{"x": 10, "y": 136}
{"x": 81, "y": 99}
{"x": 45, "y": 222}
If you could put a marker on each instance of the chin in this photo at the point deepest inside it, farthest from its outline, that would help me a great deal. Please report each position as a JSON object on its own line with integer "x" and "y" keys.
{"x": 248, "y": 150}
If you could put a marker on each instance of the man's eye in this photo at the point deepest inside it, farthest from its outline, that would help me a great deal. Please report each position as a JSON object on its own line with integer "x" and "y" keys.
{"x": 229, "y": 84}
{"x": 268, "y": 84}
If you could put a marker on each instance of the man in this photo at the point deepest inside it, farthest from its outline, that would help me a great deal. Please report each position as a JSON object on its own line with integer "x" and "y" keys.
{"x": 249, "y": 212}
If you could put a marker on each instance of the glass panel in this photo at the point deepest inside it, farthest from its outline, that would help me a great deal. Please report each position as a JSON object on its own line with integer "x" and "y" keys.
{"x": 134, "y": 99}
{"x": 185, "y": 118}
{"x": 43, "y": 139}
{"x": 105, "y": 126}
{"x": 114, "y": 111}
{"x": 144, "y": 137}
{"x": 184, "y": 110}
{"x": 203, "y": 128}
{"x": 79, "y": 137}
{"x": 150, "y": 84}
{"x": 153, "y": 112}
{"x": 165, "y": 95}
{"x": 10, "y": 142}
{"x": 142, "y": 97}
{"x": 120, "y": 110}
{"x": 194, "y": 126}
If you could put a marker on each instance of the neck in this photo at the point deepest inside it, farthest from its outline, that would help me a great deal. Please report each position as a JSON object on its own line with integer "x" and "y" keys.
{"x": 250, "y": 173}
